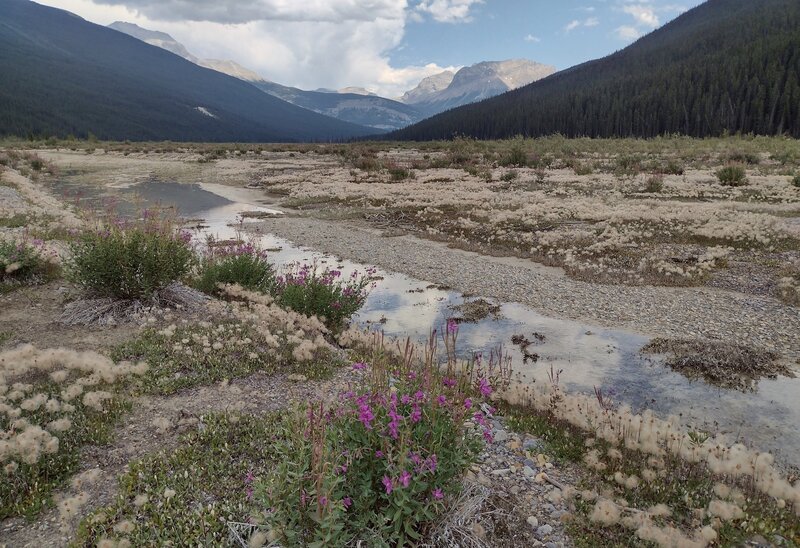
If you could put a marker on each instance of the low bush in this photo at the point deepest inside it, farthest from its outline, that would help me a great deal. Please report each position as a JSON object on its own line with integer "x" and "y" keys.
{"x": 22, "y": 263}
{"x": 234, "y": 263}
{"x": 130, "y": 260}
{"x": 796, "y": 181}
{"x": 324, "y": 294}
{"x": 509, "y": 175}
{"x": 732, "y": 175}
{"x": 654, "y": 184}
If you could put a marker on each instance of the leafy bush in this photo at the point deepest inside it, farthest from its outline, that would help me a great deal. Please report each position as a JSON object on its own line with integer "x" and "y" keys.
{"x": 235, "y": 263}
{"x": 130, "y": 261}
{"x": 377, "y": 466}
{"x": 323, "y": 294}
{"x": 796, "y": 180}
{"x": 516, "y": 155}
{"x": 732, "y": 175}
{"x": 581, "y": 168}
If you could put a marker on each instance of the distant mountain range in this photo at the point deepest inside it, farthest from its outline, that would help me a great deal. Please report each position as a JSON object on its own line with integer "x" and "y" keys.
{"x": 360, "y": 106}
{"x": 724, "y": 66}
{"x": 475, "y": 83}
{"x": 62, "y": 75}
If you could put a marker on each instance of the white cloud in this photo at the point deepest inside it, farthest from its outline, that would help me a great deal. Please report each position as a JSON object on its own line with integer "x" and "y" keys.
{"x": 575, "y": 23}
{"x": 305, "y": 49}
{"x": 532, "y": 38}
{"x": 627, "y": 33}
{"x": 644, "y": 15}
{"x": 448, "y": 11}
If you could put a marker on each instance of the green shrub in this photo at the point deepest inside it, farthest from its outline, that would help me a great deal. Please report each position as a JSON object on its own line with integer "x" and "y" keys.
{"x": 516, "y": 155}
{"x": 732, "y": 175}
{"x": 581, "y": 168}
{"x": 796, "y": 180}
{"x": 237, "y": 263}
{"x": 654, "y": 184}
{"x": 130, "y": 261}
{"x": 672, "y": 168}
{"x": 323, "y": 294}
{"x": 509, "y": 175}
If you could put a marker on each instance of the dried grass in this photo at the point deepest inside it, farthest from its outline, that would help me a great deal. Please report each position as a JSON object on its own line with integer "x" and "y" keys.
{"x": 108, "y": 311}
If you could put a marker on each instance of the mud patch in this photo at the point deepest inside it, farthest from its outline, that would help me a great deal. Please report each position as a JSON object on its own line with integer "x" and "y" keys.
{"x": 524, "y": 343}
{"x": 722, "y": 364}
{"x": 475, "y": 311}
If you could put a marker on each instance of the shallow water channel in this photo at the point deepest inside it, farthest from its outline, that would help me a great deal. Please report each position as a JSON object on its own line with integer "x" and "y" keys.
{"x": 587, "y": 355}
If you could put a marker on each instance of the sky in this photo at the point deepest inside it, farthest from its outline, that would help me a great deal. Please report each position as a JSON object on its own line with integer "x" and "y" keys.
{"x": 387, "y": 46}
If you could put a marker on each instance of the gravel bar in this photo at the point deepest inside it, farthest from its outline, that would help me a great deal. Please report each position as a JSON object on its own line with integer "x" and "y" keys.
{"x": 652, "y": 311}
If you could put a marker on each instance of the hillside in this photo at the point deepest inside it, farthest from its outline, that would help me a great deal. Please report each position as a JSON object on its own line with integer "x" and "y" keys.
{"x": 62, "y": 75}
{"x": 355, "y": 105}
{"x": 726, "y": 65}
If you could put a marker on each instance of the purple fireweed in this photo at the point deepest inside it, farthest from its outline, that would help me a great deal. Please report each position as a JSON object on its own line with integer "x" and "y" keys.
{"x": 484, "y": 387}
{"x": 405, "y": 478}
{"x": 387, "y": 484}
{"x": 467, "y": 403}
{"x": 437, "y": 494}
{"x": 359, "y": 365}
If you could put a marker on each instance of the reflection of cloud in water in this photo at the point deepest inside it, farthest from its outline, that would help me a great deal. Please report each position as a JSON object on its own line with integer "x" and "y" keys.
{"x": 606, "y": 358}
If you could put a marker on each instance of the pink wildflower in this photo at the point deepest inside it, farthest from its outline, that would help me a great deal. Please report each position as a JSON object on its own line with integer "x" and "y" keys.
{"x": 405, "y": 478}
{"x": 437, "y": 494}
{"x": 387, "y": 484}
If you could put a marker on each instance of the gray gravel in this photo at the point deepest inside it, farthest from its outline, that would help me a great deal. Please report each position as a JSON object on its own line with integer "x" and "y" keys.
{"x": 652, "y": 311}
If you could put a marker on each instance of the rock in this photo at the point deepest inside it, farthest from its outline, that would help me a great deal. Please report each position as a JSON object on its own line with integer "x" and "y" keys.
{"x": 500, "y": 436}
{"x": 479, "y": 531}
{"x": 533, "y": 521}
{"x": 544, "y": 531}
{"x": 501, "y": 472}
{"x": 529, "y": 472}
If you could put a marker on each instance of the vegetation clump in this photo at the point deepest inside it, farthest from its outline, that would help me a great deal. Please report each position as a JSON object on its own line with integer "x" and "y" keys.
{"x": 132, "y": 260}
{"x": 52, "y": 403}
{"x": 21, "y": 263}
{"x": 322, "y": 293}
{"x": 234, "y": 263}
{"x": 732, "y": 175}
{"x": 723, "y": 364}
{"x": 378, "y": 465}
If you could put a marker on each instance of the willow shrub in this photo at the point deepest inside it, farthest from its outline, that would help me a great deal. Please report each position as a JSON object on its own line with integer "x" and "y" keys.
{"x": 130, "y": 260}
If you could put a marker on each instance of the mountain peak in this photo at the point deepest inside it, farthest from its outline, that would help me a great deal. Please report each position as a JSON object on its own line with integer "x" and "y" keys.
{"x": 474, "y": 83}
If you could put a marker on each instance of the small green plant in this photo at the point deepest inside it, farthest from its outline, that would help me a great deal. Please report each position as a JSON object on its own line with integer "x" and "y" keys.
{"x": 21, "y": 263}
{"x": 581, "y": 168}
{"x": 732, "y": 175}
{"x": 399, "y": 173}
{"x": 796, "y": 181}
{"x": 509, "y": 175}
{"x": 654, "y": 184}
{"x": 322, "y": 293}
{"x": 234, "y": 263}
{"x": 130, "y": 260}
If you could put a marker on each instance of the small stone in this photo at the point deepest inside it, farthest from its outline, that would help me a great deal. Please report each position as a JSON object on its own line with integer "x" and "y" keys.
{"x": 501, "y": 472}
{"x": 479, "y": 531}
{"x": 500, "y": 436}
{"x": 529, "y": 472}
{"x": 544, "y": 531}
{"x": 533, "y": 521}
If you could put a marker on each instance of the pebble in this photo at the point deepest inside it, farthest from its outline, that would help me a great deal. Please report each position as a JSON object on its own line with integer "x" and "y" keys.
{"x": 544, "y": 531}
{"x": 533, "y": 521}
